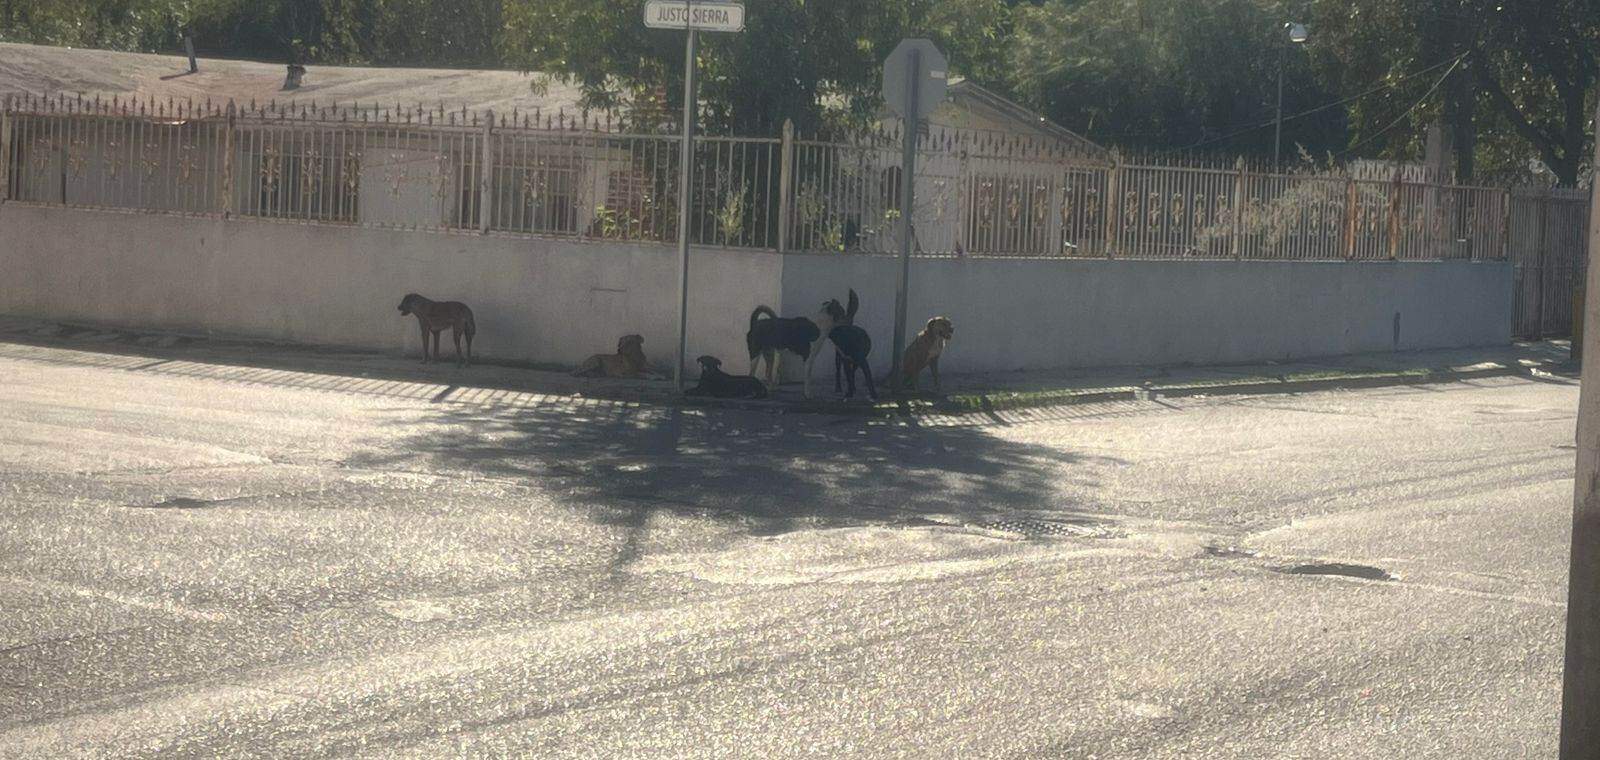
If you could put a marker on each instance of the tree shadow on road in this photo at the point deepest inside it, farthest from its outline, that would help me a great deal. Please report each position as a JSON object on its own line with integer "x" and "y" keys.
{"x": 769, "y": 473}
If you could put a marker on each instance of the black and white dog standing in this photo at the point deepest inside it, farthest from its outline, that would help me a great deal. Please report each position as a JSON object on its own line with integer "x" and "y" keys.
{"x": 770, "y": 335}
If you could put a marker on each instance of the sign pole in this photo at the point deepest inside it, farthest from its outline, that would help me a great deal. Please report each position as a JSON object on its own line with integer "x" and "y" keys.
{"x": 684, "y": 203}
{"x": 1580, "y": 697}
{"x": 693, "y": 17}
{"x": 908, "y": 188}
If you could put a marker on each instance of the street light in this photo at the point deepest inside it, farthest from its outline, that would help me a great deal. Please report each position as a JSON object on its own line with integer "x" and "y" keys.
{"x": 1296, "y": 33}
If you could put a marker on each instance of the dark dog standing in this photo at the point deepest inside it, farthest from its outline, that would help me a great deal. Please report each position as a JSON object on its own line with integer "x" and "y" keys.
{"x": 843, "y": 315}
{"x": 854, "y": 344}
{"x": 718, "y": 384}
{"x": 434, "y": 317}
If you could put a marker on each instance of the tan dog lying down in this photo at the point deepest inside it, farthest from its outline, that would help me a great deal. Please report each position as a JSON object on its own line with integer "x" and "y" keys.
{"x": 925, "y": 350}
{"x": 628, "y": 361}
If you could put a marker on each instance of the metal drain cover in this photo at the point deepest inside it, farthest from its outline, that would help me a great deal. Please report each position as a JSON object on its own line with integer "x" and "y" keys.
{"x": 1035, "y": 528}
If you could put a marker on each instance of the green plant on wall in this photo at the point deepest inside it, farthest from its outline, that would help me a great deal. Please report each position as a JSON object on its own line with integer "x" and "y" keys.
{"x": 614, "y": 224}
{"x": 833, "y": 236}
{"x": 730, "y": 215}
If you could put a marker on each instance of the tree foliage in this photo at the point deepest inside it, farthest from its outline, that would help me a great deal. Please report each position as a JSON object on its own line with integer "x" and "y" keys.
{"x": 812, "y": 61}
{"x": 1170, "y": 74}
{"x": 1149, "y": 74}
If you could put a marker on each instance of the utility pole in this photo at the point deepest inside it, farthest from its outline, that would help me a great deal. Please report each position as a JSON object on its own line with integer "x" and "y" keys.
{"x": 1580, "y": 696}
{"x": 685, "y": 203}
{"x": 1295, "y": 33}
{"x": 908, "y": 205}
{"x": 692, "y": 17}
{"x": 915, "y": 80}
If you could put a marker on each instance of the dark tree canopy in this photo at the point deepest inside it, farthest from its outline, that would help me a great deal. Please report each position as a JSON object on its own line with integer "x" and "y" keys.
{"x": 1512, "y": 81}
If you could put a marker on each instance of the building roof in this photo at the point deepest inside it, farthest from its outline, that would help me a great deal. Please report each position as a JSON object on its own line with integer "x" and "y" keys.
{"x": 42, "y": 70}
{"x": 966, "y": 93}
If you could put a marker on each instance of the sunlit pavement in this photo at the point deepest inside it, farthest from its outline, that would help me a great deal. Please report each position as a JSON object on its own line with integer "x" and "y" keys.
{"x": 204, "y": 563}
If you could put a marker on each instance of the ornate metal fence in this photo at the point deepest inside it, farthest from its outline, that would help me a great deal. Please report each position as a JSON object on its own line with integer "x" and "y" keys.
{"x": 529, "y": 174}
{"x": 978, "y": 194}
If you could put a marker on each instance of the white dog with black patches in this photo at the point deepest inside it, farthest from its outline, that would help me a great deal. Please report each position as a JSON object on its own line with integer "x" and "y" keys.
{"x": 770, "y": 335}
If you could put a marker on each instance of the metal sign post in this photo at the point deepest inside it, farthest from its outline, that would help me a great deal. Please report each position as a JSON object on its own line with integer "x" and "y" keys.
{"x": 915, "y": 79}
{"x": 693, "y": 17}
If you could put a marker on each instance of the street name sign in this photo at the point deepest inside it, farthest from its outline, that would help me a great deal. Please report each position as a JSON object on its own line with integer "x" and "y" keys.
{"x": 700, "y": 16}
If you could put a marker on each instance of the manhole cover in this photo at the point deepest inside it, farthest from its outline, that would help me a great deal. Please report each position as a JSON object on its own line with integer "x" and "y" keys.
{"x": 1052, "y": 528}
{"x": 1366, "y": 572}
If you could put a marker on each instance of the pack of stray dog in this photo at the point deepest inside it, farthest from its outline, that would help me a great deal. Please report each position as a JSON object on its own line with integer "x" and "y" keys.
{"x": 769, "y": 337}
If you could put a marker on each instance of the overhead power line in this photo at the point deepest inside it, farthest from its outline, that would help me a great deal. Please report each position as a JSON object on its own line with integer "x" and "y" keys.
{"x": 1452, "y": 62}
{"x": 1408, "y": 111}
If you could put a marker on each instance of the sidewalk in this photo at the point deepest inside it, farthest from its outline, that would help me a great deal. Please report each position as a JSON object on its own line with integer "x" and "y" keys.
{"x": 966, "y": 394}
{"x": 1027, "y": 389}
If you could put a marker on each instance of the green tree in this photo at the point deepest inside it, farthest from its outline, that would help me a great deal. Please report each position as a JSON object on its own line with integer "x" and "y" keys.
{"x": 108, "y": 24}
{"x": 816, "y": 62}
{"x": 1170, "y": 74}
{"x": 1524, "y": 88}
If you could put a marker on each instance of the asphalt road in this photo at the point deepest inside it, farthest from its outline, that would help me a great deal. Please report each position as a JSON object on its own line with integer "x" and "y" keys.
{"x": 204, "y": 561}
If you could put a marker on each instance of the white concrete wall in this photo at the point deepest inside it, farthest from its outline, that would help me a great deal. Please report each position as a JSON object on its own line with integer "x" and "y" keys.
{"x": 1036, "y": 314}
{"x": 557, "y": 301}
{"x": 535, "y": 300}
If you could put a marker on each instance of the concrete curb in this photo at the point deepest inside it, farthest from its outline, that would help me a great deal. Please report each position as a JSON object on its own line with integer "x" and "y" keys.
{"x": 966, "y": 404}
{"x": 1254, "y": 388}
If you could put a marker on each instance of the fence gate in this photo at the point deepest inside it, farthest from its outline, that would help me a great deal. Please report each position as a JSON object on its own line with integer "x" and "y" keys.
{"x": 1547, "y": 246}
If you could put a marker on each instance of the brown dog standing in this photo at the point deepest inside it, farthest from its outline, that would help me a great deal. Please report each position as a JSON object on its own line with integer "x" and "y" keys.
{"x": 434, "y": 317}
{"x": 628, "y": 361}
{"x": 925, "y": 350}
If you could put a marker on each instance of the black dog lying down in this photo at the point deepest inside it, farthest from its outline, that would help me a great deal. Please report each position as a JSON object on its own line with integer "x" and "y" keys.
{"x": 718, "y": 384}
{"x": 853, "y": 344}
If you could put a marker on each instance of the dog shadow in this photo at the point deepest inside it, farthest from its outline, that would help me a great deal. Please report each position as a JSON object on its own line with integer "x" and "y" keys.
{"x": 763, "y": 474}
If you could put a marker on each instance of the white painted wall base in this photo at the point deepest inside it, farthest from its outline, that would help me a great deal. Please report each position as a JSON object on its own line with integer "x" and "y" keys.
{"x": 555, "y": 301}
{"x": 1044, "y": 314}
{"x": 535, "y": 300}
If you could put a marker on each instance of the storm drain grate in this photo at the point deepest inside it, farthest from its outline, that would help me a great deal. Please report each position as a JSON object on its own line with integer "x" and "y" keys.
{"x": 1053, "y": 528}
{"x": 1365, "y": 572}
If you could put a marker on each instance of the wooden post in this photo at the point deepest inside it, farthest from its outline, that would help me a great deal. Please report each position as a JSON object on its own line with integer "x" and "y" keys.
{"x": 1544, "y": 221}
{"x": 1505, "y": 226}
{"x": 1350, "y": 216}
{"x": 229, "y": 181}
{"x": 785, "y": 186}
{"x": 486, "y": 175}
{"x": 1241, "y": 188}
{"x": 1575, "y": 348}
{"x": 1113, "y": 217}
{"x": 1580, "y": 698}
{"x": 5, "y": 150}
{"x": 1394, "y": 216}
